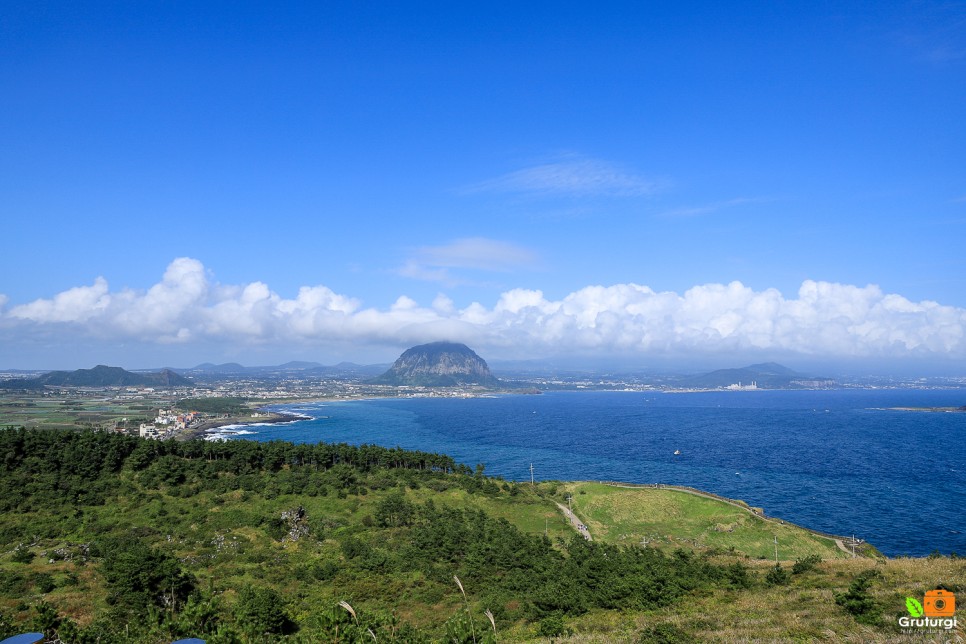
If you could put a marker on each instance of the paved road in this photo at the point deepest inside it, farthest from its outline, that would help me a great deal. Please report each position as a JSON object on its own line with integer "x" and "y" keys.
{"x": 581, "y": 528}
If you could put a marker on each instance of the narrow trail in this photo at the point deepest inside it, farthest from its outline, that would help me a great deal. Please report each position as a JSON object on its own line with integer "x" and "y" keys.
{"x": 577, "y": 523}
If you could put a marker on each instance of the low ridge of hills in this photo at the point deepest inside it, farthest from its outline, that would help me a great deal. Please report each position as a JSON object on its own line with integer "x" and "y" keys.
{"x": 99, "y": 376}
{"x": 294, "y": 367}
{"x": 767, "y": 375}
{"x": 438, "y": 364}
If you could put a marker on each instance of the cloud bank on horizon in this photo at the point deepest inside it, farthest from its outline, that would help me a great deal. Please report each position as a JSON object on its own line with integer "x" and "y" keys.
{"x": 187, "y": 307}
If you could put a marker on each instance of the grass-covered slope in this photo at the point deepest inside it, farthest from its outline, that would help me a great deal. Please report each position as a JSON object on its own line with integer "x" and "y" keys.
{"x": 669, "y": 517}
{"x": 107, "y": 538}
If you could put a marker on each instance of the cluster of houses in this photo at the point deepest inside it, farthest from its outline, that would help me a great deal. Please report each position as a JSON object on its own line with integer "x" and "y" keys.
{"x": 166, "y": 423}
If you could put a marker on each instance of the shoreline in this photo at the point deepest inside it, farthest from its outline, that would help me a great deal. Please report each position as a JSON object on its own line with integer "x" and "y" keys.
{"x": 273, "y": 418}
{"x": 281, "y": 418}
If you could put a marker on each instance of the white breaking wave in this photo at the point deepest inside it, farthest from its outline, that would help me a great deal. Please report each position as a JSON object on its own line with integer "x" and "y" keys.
{"x": 226, "y": 432}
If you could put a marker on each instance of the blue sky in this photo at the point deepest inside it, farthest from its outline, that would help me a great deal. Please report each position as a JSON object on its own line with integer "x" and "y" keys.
{"x": 475, "y": 172}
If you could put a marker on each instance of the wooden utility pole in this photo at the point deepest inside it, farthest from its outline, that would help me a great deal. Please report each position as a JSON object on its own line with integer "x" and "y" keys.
{"x": 776, "y": 549}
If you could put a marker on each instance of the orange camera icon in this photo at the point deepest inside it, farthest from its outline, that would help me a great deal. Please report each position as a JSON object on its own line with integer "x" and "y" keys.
{"x": 939, "y": 603}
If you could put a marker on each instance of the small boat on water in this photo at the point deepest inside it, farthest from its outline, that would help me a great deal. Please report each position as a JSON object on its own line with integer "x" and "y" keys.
{"x": 677, "y": 452}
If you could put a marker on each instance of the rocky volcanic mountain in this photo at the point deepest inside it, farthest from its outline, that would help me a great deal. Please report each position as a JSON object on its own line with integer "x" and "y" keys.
{"x": 438, "y": 364}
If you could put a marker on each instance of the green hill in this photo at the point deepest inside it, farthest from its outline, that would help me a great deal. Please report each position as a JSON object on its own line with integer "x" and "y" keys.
{"x": 100, "y": 376}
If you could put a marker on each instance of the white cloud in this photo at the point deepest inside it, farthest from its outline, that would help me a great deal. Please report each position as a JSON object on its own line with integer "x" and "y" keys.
{"x": 444, "y": 305}
{"x": 823, "y": 319}
{"x": 477, "y": 252}
{"x": 417, "y": 271}
{"x": 78, "y": 304}
{"x": 706, "y": 209}
{"x": 572, "y": 175}
{"x": 435, "y": 263}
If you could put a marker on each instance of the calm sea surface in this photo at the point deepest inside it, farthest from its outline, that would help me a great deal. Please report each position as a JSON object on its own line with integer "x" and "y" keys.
{"x": 837, "y": 461}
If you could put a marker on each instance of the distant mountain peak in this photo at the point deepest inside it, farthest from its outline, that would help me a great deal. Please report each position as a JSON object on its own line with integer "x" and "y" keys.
{"x": 438, "y": 364}
{"x": 765, "y": 375}
{"x": 102, "y": 376}
{"x": 772, "y": 368}
{"x": 297, "y": 365}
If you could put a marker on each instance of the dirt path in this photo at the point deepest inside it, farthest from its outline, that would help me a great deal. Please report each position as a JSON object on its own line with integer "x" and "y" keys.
{"x": 577, "y": 523}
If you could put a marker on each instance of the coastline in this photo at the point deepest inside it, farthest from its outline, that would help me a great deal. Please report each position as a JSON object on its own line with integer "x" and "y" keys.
{"x": 282, "y": 418}
{"x": 269, "y": 417}
{"x": 272, "y": 418}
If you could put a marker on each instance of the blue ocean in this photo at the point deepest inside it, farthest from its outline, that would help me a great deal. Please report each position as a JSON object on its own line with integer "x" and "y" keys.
{"x": 840, "y": 461}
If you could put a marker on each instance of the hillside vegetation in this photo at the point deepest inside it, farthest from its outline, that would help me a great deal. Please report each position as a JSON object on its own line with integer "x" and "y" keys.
{"x": 108, "y": 538}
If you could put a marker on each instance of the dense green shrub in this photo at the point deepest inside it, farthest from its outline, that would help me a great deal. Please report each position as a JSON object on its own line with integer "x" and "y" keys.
{"x": 805, "y": 564}
{"x": 777, "y": 576}
{"x": 12, "y": 584}
{"x": 738, "y": 577}
{"x": 552, "y": 626}
{"x": 262, "y": 610}
{"x": 43, "y": 582}
{"x": 139, "y": 577}
{"x": 665, "y": 634}
{"x": 858, "y": 602}
{"x": 22, "y": 554}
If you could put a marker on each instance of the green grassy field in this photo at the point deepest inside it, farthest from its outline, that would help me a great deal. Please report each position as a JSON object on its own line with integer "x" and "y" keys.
{"x": 672, "y": 518}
